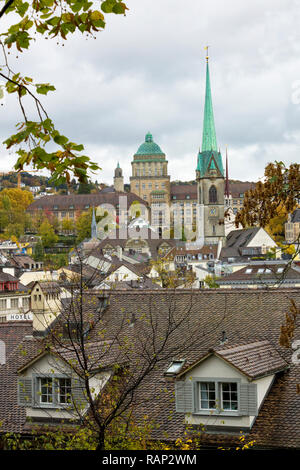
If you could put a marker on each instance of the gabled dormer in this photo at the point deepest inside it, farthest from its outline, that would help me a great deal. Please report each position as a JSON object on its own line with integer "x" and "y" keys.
{"x": 226, "y": 388}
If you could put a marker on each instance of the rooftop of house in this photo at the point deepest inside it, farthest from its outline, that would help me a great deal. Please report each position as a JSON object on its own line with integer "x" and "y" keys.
{"x": 82, "y": 201}
{"x": 178, "y": 251}
{"x": 295, "y": 218}
{"x": 252, "y": 322}
{"x": 278, "y": 272}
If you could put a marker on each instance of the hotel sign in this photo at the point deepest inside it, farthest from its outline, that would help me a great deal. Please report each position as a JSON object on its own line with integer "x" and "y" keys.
{"x": 20, "y": 317}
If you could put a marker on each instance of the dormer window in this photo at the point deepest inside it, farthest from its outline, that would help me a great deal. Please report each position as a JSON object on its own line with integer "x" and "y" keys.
{"x": 218, "y": 396}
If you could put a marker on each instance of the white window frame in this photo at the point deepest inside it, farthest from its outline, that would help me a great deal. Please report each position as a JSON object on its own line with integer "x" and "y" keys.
{"x": 56, "y": 400}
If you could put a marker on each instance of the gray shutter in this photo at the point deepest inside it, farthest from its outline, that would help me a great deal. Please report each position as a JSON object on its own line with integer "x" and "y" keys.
{"x": 25, "y": 391}
{"x": 78, "y": 393}
{"x": 248, "y": 399}
{"x": 184, "y": 396}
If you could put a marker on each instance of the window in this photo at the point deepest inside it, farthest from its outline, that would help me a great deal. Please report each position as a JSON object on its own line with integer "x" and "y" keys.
{"x": 213, "y": 197}
{"x": 54, "y": 390}
{"x": 14, "y": 303}
{"x": 175, "y": 367}
{"x": 229, "y": 396}
{"x": 46, "y": 390}
{"x": 2, "y": 304}
{"x": 64, "y": 390}
{"x": 248, "y": 271}
{"x": 207, "y": 395}
{"x": 222, "y": 396}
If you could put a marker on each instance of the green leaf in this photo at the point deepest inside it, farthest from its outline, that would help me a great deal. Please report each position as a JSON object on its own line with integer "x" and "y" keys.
{"x": 60, "y": 139}
{"x": 108, "y": 6}
{"x": 43, "y": 88}
{"x": 22, "y": 8}
{"x": 119, "y": 9}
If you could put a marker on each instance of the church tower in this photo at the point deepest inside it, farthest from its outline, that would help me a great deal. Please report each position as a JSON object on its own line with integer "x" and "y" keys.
{"x": 210, "y": 177}
{"x": 119, "y": 179}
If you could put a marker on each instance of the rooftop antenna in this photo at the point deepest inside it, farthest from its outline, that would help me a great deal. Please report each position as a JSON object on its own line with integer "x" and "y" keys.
{"x": 207, "y": 56}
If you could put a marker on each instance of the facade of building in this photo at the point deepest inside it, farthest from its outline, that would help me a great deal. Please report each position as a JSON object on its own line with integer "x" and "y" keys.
{"x": 150, "y": 179}
{"x": 292, "y": 227}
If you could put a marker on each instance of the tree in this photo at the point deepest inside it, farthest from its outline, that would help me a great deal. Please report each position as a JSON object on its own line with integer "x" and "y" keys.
{"x": 211, "y": 281}
{"x": 279, "y": 194}
{"x": 38, "y": 252}
{"x": 15, "y": 199}
{"x": 280, "y": 191}
{"x": 67, "y": 225}
{"x": 47, "y": 234}
{"x": 96, "y": 339}
{"x": 83, "y": 226}
{"x": 51, "y": 19}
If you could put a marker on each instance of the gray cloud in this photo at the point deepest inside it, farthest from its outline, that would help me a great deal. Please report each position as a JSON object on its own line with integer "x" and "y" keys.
{"x": 146, "y": 71}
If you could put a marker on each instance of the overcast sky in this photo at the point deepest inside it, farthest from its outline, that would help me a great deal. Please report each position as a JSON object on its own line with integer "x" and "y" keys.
{"x": 146, "y": 72}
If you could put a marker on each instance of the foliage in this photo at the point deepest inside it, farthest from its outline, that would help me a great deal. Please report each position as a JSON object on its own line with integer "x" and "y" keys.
{"x": 83, "y": 226}
{"x": 275, "y": 227}
{"x": 55, "y": 261}
{"x": 38, "y": 252}
{"x": 47, "y": 234}
{"x": 172, "y": 279}
{"x": 280, "y": 191}
{"x": 15, "y": 199}
{"x": 67, "y": 225}
{"x": 13, "y": 218}
{"x": 50, "y": 19}
{"x": 211, "y": 281}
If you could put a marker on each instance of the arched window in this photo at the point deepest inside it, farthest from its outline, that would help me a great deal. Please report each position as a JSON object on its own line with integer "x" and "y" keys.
{"x": 213, "y": 194}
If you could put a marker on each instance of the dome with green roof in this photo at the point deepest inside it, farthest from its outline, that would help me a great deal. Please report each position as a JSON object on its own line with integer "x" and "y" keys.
{"x": 149, "y": 147}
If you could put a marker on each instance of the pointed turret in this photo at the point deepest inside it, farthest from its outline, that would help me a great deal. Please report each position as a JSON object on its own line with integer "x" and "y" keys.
{"x": 94, "y": 225}
{"x": 209, "y": 138}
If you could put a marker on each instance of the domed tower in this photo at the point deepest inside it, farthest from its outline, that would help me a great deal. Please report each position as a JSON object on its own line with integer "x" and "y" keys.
{"x": 118, "y": 179}
{"x": 150, "y": 179}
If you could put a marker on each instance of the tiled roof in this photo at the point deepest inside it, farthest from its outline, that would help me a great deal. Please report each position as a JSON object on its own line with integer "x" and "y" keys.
{"x": 80, "y": 201}
{"x": 254, "y": 359}
{"x": 296, "y": 216}
{"x": 263, "y": 272}
{"x": 238, "y": 188}
{"x": 205, "y": 250}
{"x": 49, "y": 287}
{"x": 13, "y": 332}
{"x": 242, "y": 237}
{"x": 246, "y": 317}
{"x": 180, "y": 191}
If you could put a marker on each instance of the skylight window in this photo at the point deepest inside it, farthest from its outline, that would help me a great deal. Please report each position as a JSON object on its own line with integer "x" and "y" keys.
{"x": 260, "y": 271}
{"x": 175, "y": 367}
{"x": 248, "y": 271}
{"x": 280, "y": 270}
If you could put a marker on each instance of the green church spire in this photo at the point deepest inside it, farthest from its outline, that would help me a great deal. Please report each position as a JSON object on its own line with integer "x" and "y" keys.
{"x": 209, "y": 139}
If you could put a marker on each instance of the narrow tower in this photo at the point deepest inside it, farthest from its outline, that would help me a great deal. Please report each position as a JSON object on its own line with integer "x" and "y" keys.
{"x": 210, "y": 176}
{"x": 118, "y": 179}
{"x": 94, "y": 226}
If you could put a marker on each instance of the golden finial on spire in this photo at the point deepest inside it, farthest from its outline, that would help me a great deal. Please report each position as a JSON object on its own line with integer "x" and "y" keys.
{"x": 207, "y": 56}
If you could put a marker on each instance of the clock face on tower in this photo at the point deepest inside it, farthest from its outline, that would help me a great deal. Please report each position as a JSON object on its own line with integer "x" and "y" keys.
{"x": 213, "y": 211}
